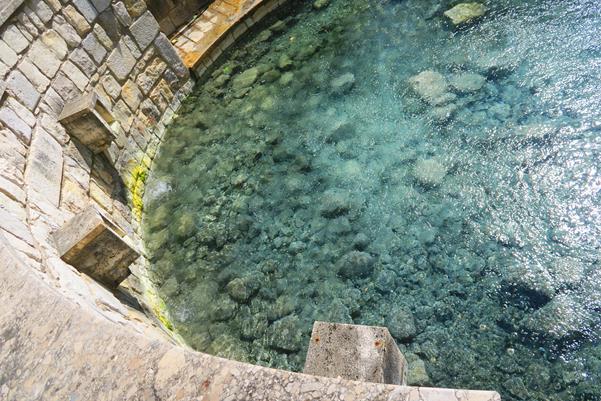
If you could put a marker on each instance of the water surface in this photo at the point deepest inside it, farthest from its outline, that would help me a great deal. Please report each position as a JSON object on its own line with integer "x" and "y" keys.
{"x": 369, "y": 163}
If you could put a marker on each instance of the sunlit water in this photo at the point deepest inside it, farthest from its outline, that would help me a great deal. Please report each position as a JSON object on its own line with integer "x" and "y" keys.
{"x": 368, "y": 163}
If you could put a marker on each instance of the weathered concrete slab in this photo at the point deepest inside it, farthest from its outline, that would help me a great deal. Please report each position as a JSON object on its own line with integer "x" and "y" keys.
{"x": 88, "y": 119}
{"x": 94, "y": 245}
{"x": 354, "y": 352}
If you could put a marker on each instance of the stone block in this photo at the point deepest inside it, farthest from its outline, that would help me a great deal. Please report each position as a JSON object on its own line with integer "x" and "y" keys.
{"x": 15, "y": 39}
{"x": 22, "y": 89}
{"x": 54, "y": 41}
{"x": 7, "y": 55}
{"x": 94, "y": 47}
{"x": 121, "y": 61}
{"x": 44, "y": 171}
{"x": 88, "y": 119}
{"x": 87, "y": 9}
{"x": 96, "y": 246}
{"x": 44, "y": 58}
{"x": 167, "y": 51}
{"x": 145, "y": 29}
{"x": 67, "y": 32}
{"x": 35, "y": 76}
{"x": 80, "y": 58}
{"x": 353, "y": 352}
{"x": 2, "y": 89}
{"x": 77, "y": 20}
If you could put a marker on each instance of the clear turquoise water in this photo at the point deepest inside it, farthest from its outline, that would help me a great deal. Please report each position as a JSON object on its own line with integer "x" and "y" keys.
{"x": 459, "y": 207}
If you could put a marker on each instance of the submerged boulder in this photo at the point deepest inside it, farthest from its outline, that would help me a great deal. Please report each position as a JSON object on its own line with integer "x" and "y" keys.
{"x": 430, "y": 86}
{"x": 319, "y": 4}
{"x": 335, "y": 202}
{"x": 355, "y": 264}
{"x": 242, "y": 288}
{"x": 562, "y": 317}
{"x": 417, "y": 374}
{"x": 343, "y": 83}
{"x": 465, "y": 12}
{"x": 401, "y": 324}
{"x": 245, "y": 79}
{"x": 429, "y": 172}
{"x": 467, "y": 82}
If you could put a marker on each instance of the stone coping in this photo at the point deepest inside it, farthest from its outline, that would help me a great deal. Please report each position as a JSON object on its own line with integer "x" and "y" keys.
{"x": 52, "y": 348}
{"x": 213, "y": 30}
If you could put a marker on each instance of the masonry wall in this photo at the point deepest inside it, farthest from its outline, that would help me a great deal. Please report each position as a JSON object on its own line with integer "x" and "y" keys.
{"x": 51, "y": 51}
{"x": 172, "y": 14}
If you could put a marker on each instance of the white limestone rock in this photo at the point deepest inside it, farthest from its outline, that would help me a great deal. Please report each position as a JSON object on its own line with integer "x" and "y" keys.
{"x": 465, "y": 12}
{"x": 430, "y": 85}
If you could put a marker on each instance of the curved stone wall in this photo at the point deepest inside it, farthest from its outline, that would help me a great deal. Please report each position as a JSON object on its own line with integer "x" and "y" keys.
{"x": 62, "y": 335}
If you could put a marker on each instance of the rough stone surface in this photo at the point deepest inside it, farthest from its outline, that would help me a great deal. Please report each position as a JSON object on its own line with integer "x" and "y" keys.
{"x": 22, "y": 89}
{"x": 145, "y": 29}
{"x": 44, "y": 58}
{"x": 87, "y": 119}
{"x": 94, "y": 245}
{"x": 94, "y": 47}
{"x": 15, "y": 39}
{"x": 18, "y": 126}
{"x": 353, "y": 352}
{"x": 121, "y": 61}
{"x": 45, "y": 167}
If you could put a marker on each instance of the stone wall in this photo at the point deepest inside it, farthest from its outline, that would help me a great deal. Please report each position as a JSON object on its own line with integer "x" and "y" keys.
{"x": 51, "y": 51}
{"x": 172, "y": 14}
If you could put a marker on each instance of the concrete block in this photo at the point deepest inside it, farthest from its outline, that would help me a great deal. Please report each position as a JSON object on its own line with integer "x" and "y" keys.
{"x": 96, "y": 246}
{"x": 354, "y": 352}
{"x": 88, "y": 119}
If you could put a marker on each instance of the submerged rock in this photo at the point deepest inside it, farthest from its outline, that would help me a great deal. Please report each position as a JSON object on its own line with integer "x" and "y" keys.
{"x": 286, "y": 334}
{"x": 342, "y": 131}
{"x": 562, "y": 317}
{"x": 335, "y": 202}
{"x": 401, "y": 324}
{"x": 319, "y": 4}
{"x": 355, "y": 264}
{"x": 467, "y": 82}
{"x": 285, "y": 62}
{"x": 429, "y": 85}
{"x": 245, "y": 79}
{"x": 429, "y": 172}
{"x": 241, "y": 289}
{"x": 465, "y": 12}
{"x": 343, "y": 83}
{"x": 417, "y": 374}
